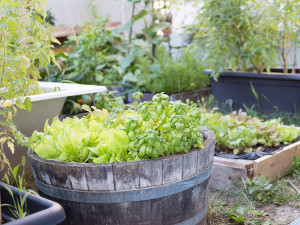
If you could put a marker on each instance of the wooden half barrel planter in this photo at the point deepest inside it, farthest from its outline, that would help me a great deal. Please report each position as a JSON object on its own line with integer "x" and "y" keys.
{"x": 167, "y": 190}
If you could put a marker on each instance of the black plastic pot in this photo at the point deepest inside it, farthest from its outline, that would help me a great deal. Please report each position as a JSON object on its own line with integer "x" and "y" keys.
{"x": 276, "y": 91}
{"x": 41, "y": 211}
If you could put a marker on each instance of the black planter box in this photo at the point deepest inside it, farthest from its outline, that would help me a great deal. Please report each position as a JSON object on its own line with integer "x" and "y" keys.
{"x": 276, "y": 91}
{"x": 41, "y": 211}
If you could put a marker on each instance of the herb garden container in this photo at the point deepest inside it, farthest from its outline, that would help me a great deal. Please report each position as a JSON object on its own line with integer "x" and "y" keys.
{"x": 276, "y": 91}
{"x": 41, "y": 210}
{"x": 166, "y": 190}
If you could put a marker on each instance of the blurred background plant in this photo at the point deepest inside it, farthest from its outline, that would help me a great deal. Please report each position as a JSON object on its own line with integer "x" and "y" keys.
{"x": 263, "y": 34}
{"x": 25, "y": 42}
{"x": 172, "y": 75}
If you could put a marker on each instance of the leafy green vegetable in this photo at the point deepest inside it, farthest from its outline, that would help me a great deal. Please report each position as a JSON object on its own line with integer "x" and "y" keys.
{"x": 242, "y": 133}
{"x": 109, "y": 101}
{"x": 157, "y": 129}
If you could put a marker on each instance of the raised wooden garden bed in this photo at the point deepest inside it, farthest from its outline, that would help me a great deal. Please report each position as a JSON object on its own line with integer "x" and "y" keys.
{"x": 272, "y": 166}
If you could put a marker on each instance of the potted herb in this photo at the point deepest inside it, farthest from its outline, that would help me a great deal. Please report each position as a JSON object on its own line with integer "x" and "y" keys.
{"x": 150, "y": 166}
{"x": 243, "y": 41}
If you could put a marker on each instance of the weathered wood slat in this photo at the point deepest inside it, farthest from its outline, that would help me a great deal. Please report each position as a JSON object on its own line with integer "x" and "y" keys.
{"x": 126, "y": 176}
{"x": 150, "y": 173}
{"x": 241, "y": 163}
{"x": 223, "y": 176}
{"x": 172, "y": 169}
{"x": 190, "y": 164}
{"x": 100, "y": 178}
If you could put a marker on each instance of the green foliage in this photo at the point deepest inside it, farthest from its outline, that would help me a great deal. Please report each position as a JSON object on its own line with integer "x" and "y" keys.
{"x": 82, "y": 135}
{"x": 19, "y": 207}
{"x": 223, "y": 209}
{"x": 93, "y": 59}
{"x": 227, "y": 107}
{"x": 108, "y": 57}
{"x": 100, "y": 56}
{"x": 71, "y": 107}
{"x": 170, "y": 75}
{"x": 50, "y": 18}
{"x": 240, "y": 214}
{"x": 295, "y": 168}
{"x": 288, "y": 31}
{"x": 244, "y": 35}
{"x": 236, "y": 204}
{"x": 243, "y": 133}
{"x": 157, "y": 129}
{"x": 259, "y": 188}
{"x": 114, "y": 105}
{"x": 25, "y": 41}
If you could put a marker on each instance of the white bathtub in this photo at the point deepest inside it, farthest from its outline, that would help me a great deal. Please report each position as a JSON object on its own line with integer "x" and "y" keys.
{"x": 45, "y": 106}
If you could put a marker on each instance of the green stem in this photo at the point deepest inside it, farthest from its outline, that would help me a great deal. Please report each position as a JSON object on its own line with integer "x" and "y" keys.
{"x": 132, "y": 20}
{"x": 4, "y": 54}
{"x": 295, "y": 54}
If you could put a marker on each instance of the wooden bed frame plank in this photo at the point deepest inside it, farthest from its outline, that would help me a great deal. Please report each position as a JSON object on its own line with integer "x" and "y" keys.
{"x": 223, "y": 176}
{"x": 277, "y": 165}
{"x": 273, "y": 166}
{"x": 241, "y": 163}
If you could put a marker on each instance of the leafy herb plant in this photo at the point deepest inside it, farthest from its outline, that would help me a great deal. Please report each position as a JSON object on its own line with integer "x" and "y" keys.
{"x": 157, "y": 129}
{"x": 108, "y": 100}
{"x": 295, "y": 168}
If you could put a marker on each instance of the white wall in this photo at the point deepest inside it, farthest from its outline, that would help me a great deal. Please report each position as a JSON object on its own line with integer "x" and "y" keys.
{"x": 74, "y": 12}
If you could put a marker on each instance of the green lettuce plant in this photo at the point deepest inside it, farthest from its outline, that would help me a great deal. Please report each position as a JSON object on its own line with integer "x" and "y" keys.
{"x": 156, "y": 129}
{"x": 243, "y": 133}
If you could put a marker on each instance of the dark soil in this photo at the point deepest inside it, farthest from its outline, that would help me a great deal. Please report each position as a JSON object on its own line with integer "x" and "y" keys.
{"x": 258, "y": 148}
